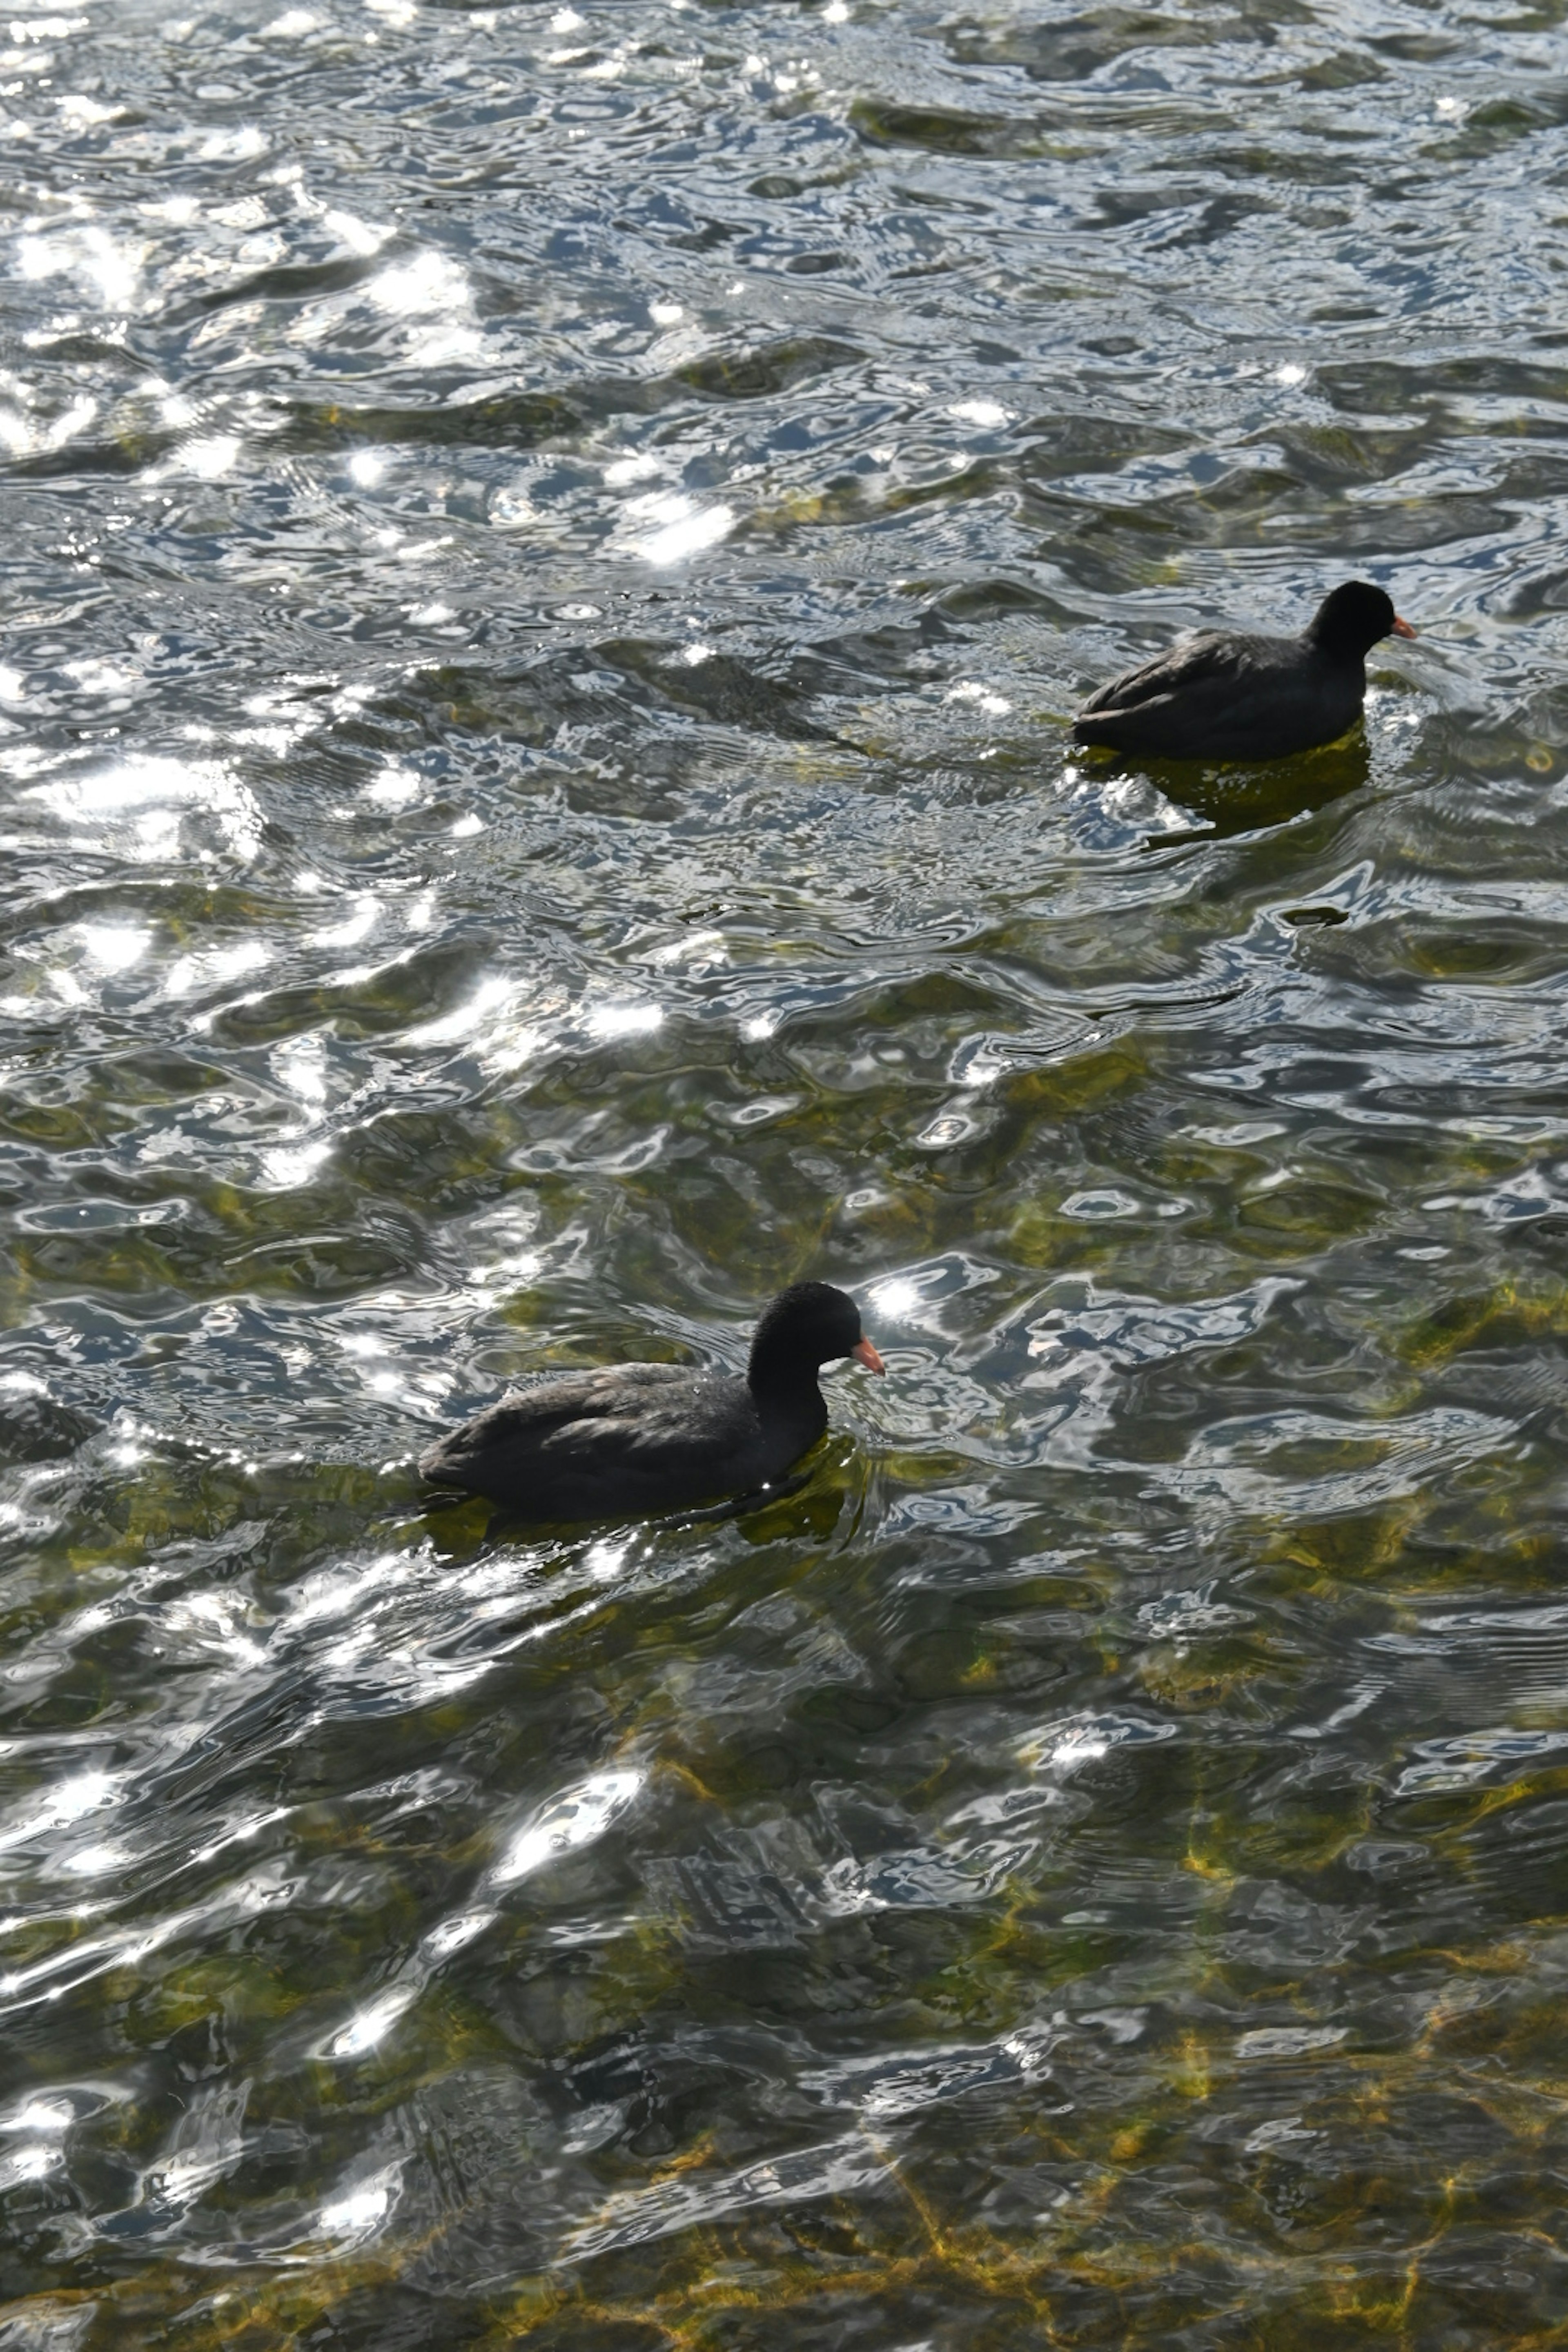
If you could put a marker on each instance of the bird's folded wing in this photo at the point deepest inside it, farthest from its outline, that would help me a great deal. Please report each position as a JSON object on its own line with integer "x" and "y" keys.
{"x": 617, "y": 1412}
{"x": 1193, "y": 661}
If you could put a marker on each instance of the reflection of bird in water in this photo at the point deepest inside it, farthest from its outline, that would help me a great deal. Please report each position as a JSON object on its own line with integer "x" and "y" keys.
{"x": 1237, "y": 800}
{"x": 1227, "y": 694}
{"x": 629, "y": 1441}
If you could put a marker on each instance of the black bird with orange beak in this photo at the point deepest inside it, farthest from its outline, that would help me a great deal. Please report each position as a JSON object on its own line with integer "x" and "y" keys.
{"x": 1228, "y": 696}
{"x": 636, "y": 1441}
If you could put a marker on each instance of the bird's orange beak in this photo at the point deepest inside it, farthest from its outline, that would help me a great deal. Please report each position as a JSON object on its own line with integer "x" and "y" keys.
{"x": 863, "y": 1353}
{"x": 1401, "y": 628}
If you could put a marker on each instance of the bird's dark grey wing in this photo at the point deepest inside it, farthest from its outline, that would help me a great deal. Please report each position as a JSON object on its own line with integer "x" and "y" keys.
{"x": 1217, "y": 656}
{"x": 614, "y": 1411}
{"x": 640, "y": 1427}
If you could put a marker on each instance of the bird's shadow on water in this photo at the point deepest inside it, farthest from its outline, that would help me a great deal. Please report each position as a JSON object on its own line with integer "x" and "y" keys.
{"x": 1234, "y": 800}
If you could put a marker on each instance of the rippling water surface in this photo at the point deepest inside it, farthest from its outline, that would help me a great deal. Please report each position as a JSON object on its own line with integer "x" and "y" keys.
{"x": 549, "y": 551}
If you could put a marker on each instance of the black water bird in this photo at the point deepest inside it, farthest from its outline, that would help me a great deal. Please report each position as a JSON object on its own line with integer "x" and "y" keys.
{"x": 1228, "y": 696}
{"x": 634, "y": 1440}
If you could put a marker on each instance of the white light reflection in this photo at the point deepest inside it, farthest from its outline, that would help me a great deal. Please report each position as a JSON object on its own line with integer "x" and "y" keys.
{"x": 624, "y": 1020}
{"x": 287, "y": 1170}
{"x": 986, "y": 413}
{"x": 995, "y": 705}
{"x": 84, "y": 1792}
{"x": 490, "y": 997}
{"x": 685, "y": 527}
{"x": 638, "y": 467}
{"x": 234, "y": 146}
{"x": 28, "y": 2164}
{"x": 367, "y": 468}
{"x": 40, "y": 2116}
{"x": 394, "y": 788}
{"x": 362, "y": 2208}
{"x": 137, "y": 806}
{"x": 373, "y": 2024}
{"x": 301, "y": 1063}
{"x": 512, "y": 507}
{"x": 45, "y": 29}
{"x": 113, "y": 947}
{"x": 86, "y": 113}
{"x": 428, "y": 282}
{"x": 576, "y": 1818}
{"x": 99, "y": 676}
{"x": 352, "y": 928}
{"x": 895, "y": 1299}
{"x": 604, "y": 1560}
{"x": 360, "y": 237}
{"x": 1064, "y": 1748}
{"x": 91, "y": 254}
{"x": 213, "y": 966}
{"x": 95, "y": 1861}
{"x": 453, "y": 1934}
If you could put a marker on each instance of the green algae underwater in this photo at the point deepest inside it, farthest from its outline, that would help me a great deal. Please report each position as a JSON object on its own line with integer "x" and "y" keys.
{"x": 552, "y": 551}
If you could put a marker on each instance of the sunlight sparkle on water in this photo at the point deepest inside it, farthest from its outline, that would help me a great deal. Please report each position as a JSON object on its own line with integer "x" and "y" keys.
{"x": 87, "y": 252}
{"x": 152, "y": 792}
{"x": 624, "y": 1020}
{"x": 684, "y": 527}
{"x": 357, "y": 2212}
{"x": 372, "y": 2024}
{"x": 352, "y": 928}
{"x": 287, "y": 1170}
{"x": 896, "y": 1299}
{"x": 211, "y": 458}
{"x": 114, "y": 947}
{"x": 428, "y": 282}
{"x": 986, "y": 413}
{"x": 640, "y": 467}
{"x": 394, "y": 788}
{"x": 574, "y": 1818}
{"x": 360, "y": 236}
{"x": 93, "y": 1861}
{"x": 995, "y": 705}
{"x": 238, "y": 144}
{"x": 491, "y": 997}
{"x": 28, "y": 2164}
{"x": 40, "y": 2116}
{"x": 451, "y": 1934}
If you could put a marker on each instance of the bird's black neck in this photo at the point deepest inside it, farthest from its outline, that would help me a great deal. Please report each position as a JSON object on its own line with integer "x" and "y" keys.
{"x": 1328, "y": 642}
{"x": 784, "y": 1385}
